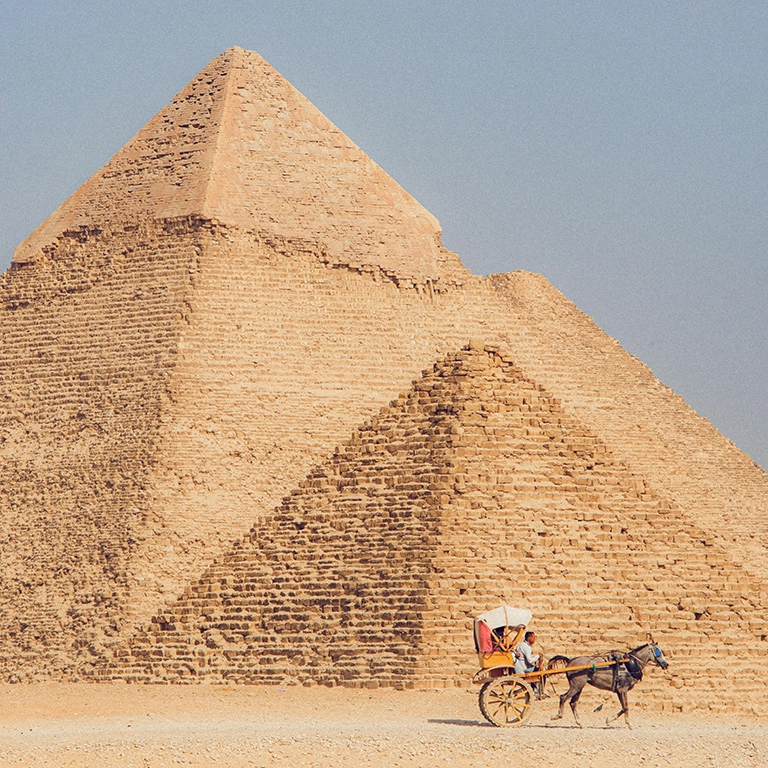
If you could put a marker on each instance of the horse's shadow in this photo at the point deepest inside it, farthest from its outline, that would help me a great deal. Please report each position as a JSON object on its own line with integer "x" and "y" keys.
{"x": 481, "y": 724}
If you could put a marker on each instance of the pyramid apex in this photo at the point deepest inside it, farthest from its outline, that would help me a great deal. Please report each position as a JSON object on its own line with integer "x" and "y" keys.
{"x": 240, "y": 145}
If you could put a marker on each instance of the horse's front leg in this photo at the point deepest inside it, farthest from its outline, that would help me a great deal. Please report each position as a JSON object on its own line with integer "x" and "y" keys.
{"x": 625, "y": 705}
{"x": 623, "y": 711}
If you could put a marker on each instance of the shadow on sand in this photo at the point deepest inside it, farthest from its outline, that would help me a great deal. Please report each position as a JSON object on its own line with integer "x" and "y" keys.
{"x": 547, "y": 725}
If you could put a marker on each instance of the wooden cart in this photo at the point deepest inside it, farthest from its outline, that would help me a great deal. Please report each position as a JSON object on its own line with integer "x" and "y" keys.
{"x": 506, "y": 697}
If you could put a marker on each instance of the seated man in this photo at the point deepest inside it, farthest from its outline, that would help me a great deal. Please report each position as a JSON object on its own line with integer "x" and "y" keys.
{"x": 525, "y": 659}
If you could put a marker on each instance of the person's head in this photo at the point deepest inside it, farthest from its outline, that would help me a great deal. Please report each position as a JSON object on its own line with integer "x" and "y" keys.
{"x": 530, "y": 638}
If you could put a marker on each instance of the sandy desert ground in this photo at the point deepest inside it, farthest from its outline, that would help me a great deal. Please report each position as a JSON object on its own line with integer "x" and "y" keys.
{"x": 151, "y": 726}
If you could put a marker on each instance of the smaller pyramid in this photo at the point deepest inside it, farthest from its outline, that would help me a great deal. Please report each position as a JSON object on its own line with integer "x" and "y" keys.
{"x": 241, "y": 146}
{"x": 473, "y": 488}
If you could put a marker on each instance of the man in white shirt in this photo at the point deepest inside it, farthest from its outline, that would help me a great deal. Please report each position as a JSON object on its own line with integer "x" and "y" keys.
{"x": 525, "y": 659}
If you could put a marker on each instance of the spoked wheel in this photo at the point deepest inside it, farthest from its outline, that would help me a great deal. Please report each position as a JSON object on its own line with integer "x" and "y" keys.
{"x": 559, "y": 683}
{"x": 506, "y": 701}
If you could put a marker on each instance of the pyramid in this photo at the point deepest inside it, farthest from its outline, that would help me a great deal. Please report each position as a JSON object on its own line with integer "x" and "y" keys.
{"x": 242, "y": 146}
{"x": 217, "y": 310}
{"x": 475, "y": 486}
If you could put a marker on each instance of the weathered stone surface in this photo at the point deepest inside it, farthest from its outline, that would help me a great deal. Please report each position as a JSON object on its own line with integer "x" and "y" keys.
{"x": 474, "y": 488}
{"x": 185, "y": 339}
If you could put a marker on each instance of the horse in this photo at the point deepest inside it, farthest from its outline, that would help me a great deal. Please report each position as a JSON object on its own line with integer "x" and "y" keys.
{"x": 620, "y": 677}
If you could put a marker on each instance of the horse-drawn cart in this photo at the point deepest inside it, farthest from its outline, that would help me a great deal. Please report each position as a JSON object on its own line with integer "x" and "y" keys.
{"x": 507, "y": 697}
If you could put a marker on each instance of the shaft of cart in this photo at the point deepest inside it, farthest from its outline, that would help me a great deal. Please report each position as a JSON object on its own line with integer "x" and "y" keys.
{"x": 540, "y": 673}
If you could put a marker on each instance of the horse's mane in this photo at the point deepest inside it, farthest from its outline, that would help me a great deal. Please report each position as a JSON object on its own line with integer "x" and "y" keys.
{"x": 639, "y": 647}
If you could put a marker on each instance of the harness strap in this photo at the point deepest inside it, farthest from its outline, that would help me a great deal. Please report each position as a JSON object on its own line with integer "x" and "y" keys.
{"x": 616, "y": 657}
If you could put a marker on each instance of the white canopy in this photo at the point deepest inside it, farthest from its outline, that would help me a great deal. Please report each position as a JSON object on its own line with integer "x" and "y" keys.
{"x": 505, "y": 616}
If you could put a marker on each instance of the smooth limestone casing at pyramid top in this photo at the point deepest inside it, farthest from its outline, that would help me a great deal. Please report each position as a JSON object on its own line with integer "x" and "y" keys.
{"x": 194, "y": 330}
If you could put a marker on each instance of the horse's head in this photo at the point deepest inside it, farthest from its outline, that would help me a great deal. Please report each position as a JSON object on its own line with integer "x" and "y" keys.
{"x": 657, "y": 655}
{"x": 650, "y": 652}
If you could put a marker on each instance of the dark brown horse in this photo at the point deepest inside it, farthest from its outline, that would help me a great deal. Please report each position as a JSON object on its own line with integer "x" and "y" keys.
{"x": 620, "y": 679}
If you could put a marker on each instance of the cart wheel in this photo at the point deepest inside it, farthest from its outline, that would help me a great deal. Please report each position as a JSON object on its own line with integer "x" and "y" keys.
{"x": 506, "y": 701}
{"x": 559, "y": 683}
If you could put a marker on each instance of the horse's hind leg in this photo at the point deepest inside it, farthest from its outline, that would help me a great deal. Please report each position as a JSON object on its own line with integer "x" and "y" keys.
{"x": 574, "y": 702}
{"x": 565, "y": 697}
{"x": 575, "y": 687}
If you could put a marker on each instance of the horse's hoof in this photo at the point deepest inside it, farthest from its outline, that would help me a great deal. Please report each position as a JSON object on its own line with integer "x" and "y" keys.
{"x": 557, "y": 717}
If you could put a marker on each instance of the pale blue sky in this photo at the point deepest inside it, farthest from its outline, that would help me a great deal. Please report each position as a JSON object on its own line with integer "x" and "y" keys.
{"x": 618, "y": 148}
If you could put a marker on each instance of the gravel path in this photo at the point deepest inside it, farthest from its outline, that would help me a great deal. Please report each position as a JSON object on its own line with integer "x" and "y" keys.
{"x": 151, "y": 726}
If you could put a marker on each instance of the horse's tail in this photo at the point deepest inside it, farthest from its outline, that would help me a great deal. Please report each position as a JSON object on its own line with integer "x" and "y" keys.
{"x": 558, "y": 662}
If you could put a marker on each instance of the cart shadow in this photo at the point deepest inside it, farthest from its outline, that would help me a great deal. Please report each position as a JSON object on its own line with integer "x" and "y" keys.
{"x": 465, "y": 723}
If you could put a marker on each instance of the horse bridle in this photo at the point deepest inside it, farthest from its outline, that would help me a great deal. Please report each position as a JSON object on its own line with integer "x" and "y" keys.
{"x": 655, "y": 651}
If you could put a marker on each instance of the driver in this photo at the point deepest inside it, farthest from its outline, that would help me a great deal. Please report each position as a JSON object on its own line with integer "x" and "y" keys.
{"x": 525, "y": 659}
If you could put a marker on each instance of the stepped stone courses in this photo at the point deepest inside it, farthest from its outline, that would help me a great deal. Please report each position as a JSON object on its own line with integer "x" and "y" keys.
{"x": 474, "y": 486}
{"x": 194, "y": 330}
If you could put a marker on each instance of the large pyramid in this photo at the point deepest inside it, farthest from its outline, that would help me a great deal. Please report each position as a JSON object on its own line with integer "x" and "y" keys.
{"x": 220, "y": 307}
